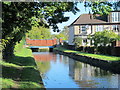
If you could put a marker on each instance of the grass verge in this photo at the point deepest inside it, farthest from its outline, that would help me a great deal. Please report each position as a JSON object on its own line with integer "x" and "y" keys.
{"x": 97, "y": 56}
{"x": 20, "y": 71}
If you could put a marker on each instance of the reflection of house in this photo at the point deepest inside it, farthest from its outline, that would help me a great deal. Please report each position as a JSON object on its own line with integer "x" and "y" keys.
{"x": 84, "y": 74}
{"x": 80, "y": 72}
{"x": 87, "y": 24}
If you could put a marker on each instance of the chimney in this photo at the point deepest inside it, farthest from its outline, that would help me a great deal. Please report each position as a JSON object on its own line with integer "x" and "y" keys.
{"x": 91, "y": 16}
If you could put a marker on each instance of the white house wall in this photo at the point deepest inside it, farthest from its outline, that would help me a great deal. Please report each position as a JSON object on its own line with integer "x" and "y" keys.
{"x": 89, "y": 30}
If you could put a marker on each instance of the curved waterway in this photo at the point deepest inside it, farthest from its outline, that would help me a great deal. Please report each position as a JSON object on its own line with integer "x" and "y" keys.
{"x": 59, "y": 71}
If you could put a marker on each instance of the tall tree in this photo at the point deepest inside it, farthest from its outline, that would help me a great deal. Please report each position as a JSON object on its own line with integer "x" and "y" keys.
{"x": 19, "y": 17}
{"x": 63, "y": 34}
{"x": 99, "y": 7}
{"x": 39, "y": 33}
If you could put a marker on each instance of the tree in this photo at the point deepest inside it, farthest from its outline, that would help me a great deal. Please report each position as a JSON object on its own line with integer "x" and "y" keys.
{"x": 99, "y": 7}
{"x": 63, "y": 34}
{"x": 39, "y": 33}
{"x": 77, "y": 41}
{"x": 19, "y": 17}
{"x": 103, "y": 38}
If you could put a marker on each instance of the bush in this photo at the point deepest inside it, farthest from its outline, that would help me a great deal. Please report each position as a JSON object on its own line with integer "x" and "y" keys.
{"x": 104, "y": 50}
{"x": 89, "y": 49}
{"x": 65, "y": 44}
{"x": 80, "y": 48}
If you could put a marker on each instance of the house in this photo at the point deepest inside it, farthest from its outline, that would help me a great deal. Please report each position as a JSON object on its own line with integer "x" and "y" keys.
{"x": 87, "y": 24}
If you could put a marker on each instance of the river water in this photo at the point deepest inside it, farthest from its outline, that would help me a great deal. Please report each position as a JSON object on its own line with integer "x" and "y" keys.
{"x": 59, "y": 71}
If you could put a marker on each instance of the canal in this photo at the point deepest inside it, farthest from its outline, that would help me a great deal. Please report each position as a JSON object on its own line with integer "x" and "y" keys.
{"x": 59, "y": 71}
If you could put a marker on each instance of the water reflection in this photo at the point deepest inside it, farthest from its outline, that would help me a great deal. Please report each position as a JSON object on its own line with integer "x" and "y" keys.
{"x": 44, "y": 56}
{"x": 63, "y": 72}
{"x": 89, "y": 76}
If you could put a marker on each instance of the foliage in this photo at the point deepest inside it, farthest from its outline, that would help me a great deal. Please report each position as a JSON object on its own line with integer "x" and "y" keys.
{"x": 63, "y": 34}
{"x": 103, "y": 38}
{"x": 77, "y": 41}
{"x": 58, "y": 36}
{"x": 118, "y": 37}
{"x": 99, "y": 7}
{"x": 19, "y": 17}
{"x": 39, "y": 33}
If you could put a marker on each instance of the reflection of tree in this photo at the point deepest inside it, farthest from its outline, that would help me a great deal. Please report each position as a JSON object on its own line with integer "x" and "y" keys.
{"x": 101, "y": 73}
{"x": 43, "y": 67}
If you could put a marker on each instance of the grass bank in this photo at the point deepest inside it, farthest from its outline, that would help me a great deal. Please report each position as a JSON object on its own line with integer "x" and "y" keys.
{"x": 96, "y": 56}
{"x": 20, "y": 71}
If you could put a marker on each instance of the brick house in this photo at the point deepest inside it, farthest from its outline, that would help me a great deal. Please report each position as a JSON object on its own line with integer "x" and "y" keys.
{"x": 87, "y": 24}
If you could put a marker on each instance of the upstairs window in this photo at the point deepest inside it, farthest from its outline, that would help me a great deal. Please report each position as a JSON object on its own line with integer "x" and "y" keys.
{"x": 84, "y": 28}
{"x": 115, "y": 16}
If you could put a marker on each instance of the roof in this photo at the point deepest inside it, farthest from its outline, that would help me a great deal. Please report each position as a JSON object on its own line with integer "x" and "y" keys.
{"x": 87, "y": 19}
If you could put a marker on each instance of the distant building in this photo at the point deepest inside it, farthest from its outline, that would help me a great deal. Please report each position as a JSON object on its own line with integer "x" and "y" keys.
{"x": 87, "y": 24}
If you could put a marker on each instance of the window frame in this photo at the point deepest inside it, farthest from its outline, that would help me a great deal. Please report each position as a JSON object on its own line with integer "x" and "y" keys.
{"x": 99, "y": 28}
{"x": 115, "y": 16}
{"x": 83, "y": 28}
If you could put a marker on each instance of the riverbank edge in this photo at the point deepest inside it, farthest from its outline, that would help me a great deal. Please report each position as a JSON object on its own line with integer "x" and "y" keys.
{"x": 113, "y": 66}
{"x": 29, "y": 69}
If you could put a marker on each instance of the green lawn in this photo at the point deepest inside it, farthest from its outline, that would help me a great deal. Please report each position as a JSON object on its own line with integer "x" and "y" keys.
{"x": 97, "y": 56}
{"x": 21, "y": 71}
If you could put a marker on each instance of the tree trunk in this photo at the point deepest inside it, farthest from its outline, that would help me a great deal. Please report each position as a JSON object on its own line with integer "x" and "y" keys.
{"x": 7, "y": 53}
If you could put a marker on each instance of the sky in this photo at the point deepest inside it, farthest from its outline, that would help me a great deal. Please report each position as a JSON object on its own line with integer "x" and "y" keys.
{"x": 72, "y": 17}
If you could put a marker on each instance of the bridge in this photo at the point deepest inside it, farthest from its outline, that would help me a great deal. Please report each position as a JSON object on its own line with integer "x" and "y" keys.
{"x": 43, "y": 43}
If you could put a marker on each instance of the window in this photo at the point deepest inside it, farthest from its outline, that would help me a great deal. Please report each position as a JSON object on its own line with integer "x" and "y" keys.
{"x": 84, "y": 28}
{"x": 84, "y": 40}
{"x": 99, "y": 28}
{"x": 115, "y": 28}
{"x": 115, "y": 16}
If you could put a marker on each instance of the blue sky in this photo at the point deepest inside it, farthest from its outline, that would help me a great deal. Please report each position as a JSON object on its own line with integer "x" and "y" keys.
{"x": 72, "y": 16}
